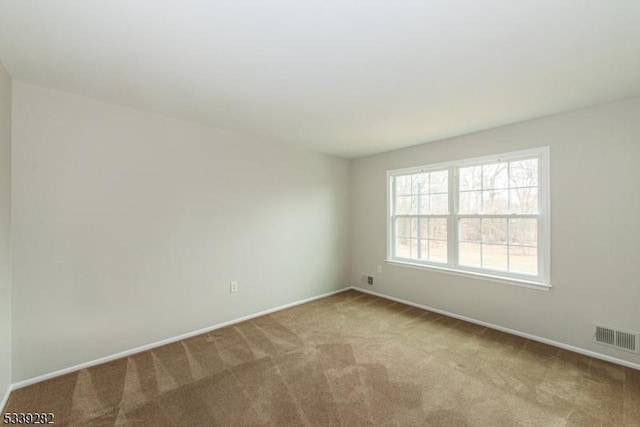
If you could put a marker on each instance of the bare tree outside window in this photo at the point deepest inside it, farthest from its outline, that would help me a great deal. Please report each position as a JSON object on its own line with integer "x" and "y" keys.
{"x": 501, "y": 189}
{"x": 473, "y": 216}
{"x": 422, "y": 203}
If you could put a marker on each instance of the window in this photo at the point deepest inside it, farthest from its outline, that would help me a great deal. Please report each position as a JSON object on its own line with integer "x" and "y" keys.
{"x": 485, "y": 216}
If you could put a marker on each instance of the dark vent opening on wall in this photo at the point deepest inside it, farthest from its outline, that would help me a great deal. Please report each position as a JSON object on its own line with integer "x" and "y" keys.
{"x": 622, "y": 340}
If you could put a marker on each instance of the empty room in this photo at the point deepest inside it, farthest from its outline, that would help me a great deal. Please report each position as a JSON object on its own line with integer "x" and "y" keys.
{"x": 320, "y": 213}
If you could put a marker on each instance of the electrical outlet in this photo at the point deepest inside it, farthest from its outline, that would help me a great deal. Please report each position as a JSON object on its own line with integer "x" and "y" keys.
{"x": 370, "y": 280}
{"x": 379, "y": 269}
{"x": 234, "y": 287}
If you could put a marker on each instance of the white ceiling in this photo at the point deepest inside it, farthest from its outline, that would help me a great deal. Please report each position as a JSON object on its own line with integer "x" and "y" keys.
{"x": 346, "y": 77}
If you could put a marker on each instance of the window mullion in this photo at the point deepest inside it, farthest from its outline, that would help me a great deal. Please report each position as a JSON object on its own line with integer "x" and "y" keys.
{"x": 452, "y": 221}
{"x": 391, "y": 228}
{"x": 543, "y": 244}
{"x": 508, "y": 243}
{"x": 481, "y": 243}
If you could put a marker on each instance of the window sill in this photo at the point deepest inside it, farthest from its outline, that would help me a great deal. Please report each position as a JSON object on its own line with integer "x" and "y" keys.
{"x": 509, "y": 281}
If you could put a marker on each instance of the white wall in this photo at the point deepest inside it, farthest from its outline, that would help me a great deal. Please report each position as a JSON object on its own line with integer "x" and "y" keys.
{"x": 129, "y": 227}
{"x": 595, "y": 203}
{"x": 5, "y": 233}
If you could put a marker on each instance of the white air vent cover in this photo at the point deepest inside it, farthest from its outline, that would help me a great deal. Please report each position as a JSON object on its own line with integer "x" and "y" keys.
{"x": 623, "y": 340}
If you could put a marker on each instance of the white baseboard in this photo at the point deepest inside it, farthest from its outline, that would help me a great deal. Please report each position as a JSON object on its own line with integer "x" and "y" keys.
{"x": 153, "y": 345}
{"x": 586, "y": 352}
{"x": 5, "y": 399}
{"x": 150, "y": 346}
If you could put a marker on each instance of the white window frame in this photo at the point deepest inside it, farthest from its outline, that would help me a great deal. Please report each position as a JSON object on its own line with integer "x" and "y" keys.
{"x": 541, "y": 281}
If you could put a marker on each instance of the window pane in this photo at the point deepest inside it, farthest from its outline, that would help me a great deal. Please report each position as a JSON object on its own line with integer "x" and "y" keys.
{"x": 402, "y": 249}
{"x": 414, "y": 248}
{"x": 420, "y": 183}
{"x": 494, "y": 176}
{"x": 403, "y": 205}
{"x": 494, "y": 230}
{"x": 498, "y": 214}
{"x": 439, "y": 204}
{"x": 470, "y": 254}
{"x": 439, "y": 182}
{"x": 414, "y": 228}
{"x": 422, "y": 204}
{"x": 524, "y": 200}
{"x": 523, "y": 260}
{"x": 469, "y": 230}
{"x": 495, "y": 201}
{"x": 403, "y": 185}
{"x": 438, "y": 228}
{"x": 423, "y": 228}
{"x": 523, "y": 232}
{"x": 437, "y": 251}
{"x": 470, "y": 178}
{"x": 523, "y": 173}
{"x": 494, "y": 257}
{"x": 424, "y": 250}
{"x": 403, "y": 227}
{"x": 470, "y": 202}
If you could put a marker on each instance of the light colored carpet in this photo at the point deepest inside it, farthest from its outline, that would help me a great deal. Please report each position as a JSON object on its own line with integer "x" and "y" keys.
{"x": 351, "y": 359}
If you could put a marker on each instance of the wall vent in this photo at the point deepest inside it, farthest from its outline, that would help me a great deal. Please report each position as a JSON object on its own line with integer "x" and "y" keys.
{"x": 623, "y": 340}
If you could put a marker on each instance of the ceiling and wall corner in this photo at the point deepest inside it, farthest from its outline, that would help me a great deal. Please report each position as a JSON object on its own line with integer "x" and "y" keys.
{"x": 345, "y": 77}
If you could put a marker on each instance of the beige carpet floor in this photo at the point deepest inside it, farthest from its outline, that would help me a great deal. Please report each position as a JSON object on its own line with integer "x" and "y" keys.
{"x": 351, "y": 359}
